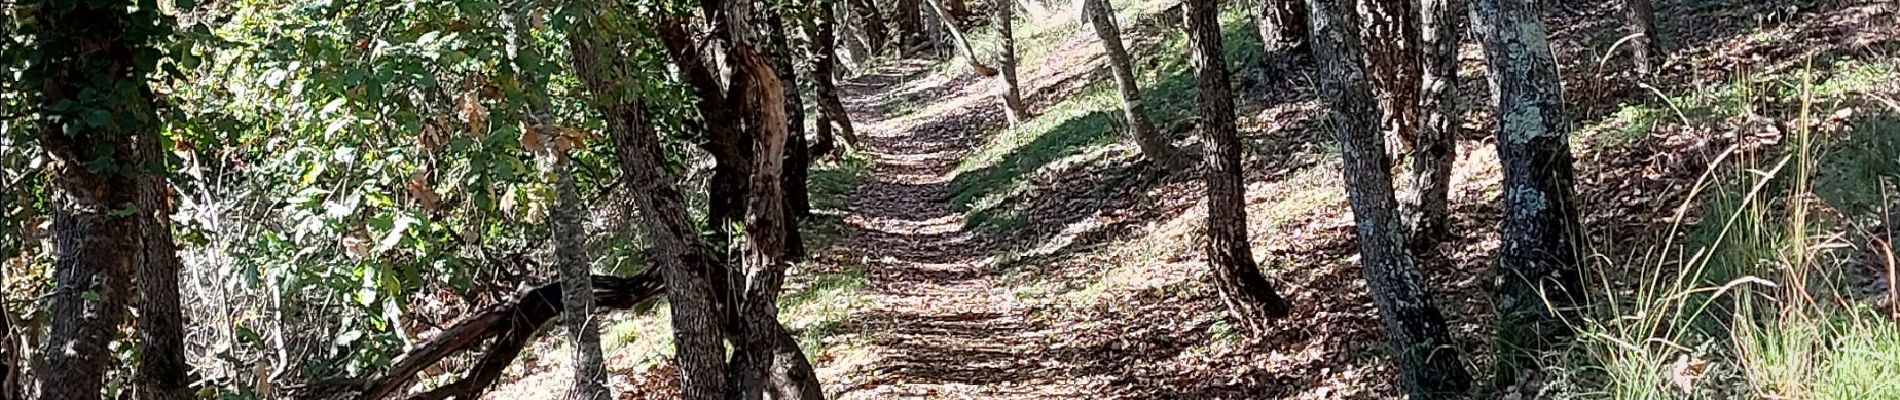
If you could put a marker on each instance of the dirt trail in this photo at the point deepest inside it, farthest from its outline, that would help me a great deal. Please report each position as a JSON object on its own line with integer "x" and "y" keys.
{"x": 938, "y": 326}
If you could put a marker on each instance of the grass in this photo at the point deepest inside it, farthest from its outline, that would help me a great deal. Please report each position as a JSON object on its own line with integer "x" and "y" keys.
{"x": 986, "y": 184}
{"x": 1756, "y": 301}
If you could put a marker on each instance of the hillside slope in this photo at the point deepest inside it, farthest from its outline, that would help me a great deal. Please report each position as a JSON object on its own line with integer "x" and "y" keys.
{"x": 964, "y": 258}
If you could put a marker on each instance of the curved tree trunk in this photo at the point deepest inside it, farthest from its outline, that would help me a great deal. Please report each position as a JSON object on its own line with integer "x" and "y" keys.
{"x": 1248, "y": 295}
{"x": 1537, "y": 272}
{"x": 1012, "y": 91}
{"x": 696, "y": 331}
{"x": 956, "y": 36}
{"x": 1422, "y": 344}
{"x": 1426, "y": 204}
{"x": 1141, "y": 129}
{"x": 90, "y": 48}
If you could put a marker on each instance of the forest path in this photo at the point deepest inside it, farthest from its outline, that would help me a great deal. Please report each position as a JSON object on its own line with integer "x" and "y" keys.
{"x": 937, "y": 326}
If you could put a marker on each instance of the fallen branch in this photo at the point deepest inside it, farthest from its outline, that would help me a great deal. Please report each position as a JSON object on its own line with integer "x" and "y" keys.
{"x": 512, "y": 325}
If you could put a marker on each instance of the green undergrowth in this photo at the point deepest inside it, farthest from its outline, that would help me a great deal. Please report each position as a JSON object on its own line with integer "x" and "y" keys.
{"x": 1761, "y": 294}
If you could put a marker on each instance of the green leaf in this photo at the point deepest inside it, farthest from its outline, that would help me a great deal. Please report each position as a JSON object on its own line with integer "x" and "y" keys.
{"x": 395, "y": 234}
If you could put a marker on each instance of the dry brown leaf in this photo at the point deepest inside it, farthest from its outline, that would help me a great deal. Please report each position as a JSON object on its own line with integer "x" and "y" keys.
{"x": 533, "y": 140}
{"x": 1686, "y": 371}
{"x": 419, "y": 189}
{"x": 470, "y": 108}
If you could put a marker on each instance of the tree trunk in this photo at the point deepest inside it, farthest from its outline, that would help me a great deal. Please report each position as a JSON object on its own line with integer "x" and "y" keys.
{"x": 1645, "y": 49}
{"x": 698, "y": 347}
{"x": 731, "y": 151}
{"x": 909, "y": 19}
{"x": 577, "y": 292}
{"x": 797, "y": 156}
{"x": 765, "y": 255}
{"x": 792, "y": 375}
{"x": 872, "y": 22}
{"x": 762, "y": 105}
{"x": 162, "y": 372}
{"x": 1426, "y": 204}
{"x": 824, "y": 63}
{"x": 1141, "y": 129}
{"x": 1012, "y": 91}
{"x": 963, "y": 45}
{"x": 1282, "y": 25}
{"x": 1393, "y": 24}
{"x": 823, "y": 140}
{"x": 87, "y": 70}
{"x": 1422, "y": 344}
{"x": 1252, "y": 300}
{"x": 1537, "y": 274}
{"x": 8, "y": 364}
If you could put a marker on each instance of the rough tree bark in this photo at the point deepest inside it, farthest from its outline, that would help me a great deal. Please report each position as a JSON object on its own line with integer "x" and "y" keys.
{"x": 726, "y": 141}
{"x": 88, "y": 69}
{"x": 1393, "y": 24}
{"x": 1248, "y": 294}
{"x": 762, "y": 106}
{"x": 1422, "y": 344}
{"x": 1426, "y": 204}
{"x": 1645, "y": 49}
{"x": 162, "y": 372}
{"x": 824, "y": 64}
{"x": 1537, "y": 276}
{"x": 797, "y": 156}
{"x": 956, "y": 36}
{"x": 577, "y": 291}
{"x": 1100, "y": 16}
{"x": 569, "y": 238}
{"x": 765, "y": 257}
{"x": 699, "y": 349}
{"x": 1282, "y": 25}
{"x": 1012, "y": 91}
{"x": 871, "y": 21}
